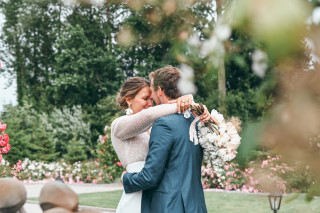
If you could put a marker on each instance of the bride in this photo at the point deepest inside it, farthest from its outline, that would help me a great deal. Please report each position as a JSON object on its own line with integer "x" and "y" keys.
{"x": 130, "y": 133}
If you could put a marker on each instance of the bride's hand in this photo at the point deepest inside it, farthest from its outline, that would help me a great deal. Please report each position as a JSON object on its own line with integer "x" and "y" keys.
{"x": 183, "y": 103}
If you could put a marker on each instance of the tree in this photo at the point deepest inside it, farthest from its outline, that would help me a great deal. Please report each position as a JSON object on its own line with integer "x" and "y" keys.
{"x": 154, "y": 34}
{"x": 84, "y": 72}
{"x": 43, "y": 148}
{"x": 30, "y": 134}
{"x": 76, "y": 151}
{"x": 30, "y": 30}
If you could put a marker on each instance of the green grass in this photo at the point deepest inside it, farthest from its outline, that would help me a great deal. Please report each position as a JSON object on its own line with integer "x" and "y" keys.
{"x": 101, "y": 199}
{"x": 221, "y": 202}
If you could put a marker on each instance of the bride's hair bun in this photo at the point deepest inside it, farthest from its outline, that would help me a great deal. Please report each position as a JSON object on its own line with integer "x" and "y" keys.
{"x": 130, "y": 89}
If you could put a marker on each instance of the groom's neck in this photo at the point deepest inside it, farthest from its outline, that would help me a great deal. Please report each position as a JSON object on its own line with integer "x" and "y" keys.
{"x": 165, "y": 99}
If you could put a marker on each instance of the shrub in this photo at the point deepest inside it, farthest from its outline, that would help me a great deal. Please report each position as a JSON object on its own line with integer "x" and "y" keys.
{"x": 78, "y": 172}
{"x": 107, "y": 156}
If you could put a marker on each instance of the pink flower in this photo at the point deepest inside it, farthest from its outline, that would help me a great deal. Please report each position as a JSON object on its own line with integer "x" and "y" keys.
{"x": 264, "y": 163}
{"x": 5, "y": 149}
{"x": 3, "y": 127}
{"x": 119, "y": 163}
{"x": 226, "y": 167}
{"x": 4, "y": 140}
{"x": 19, "y": 165}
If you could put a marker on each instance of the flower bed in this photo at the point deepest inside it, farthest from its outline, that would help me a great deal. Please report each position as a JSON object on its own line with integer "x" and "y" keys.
{"x": 79, "y": 172}
{"x": 267, "y": 175}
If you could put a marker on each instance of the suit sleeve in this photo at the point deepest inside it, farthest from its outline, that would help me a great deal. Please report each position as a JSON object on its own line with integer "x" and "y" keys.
{"x": 160, "y": 144}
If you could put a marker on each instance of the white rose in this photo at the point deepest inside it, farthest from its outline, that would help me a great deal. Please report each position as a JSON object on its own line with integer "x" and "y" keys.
{"x": 217, "y": 116}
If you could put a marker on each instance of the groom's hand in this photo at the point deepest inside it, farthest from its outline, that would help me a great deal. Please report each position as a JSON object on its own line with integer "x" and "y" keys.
{"x": 121, "y": 179}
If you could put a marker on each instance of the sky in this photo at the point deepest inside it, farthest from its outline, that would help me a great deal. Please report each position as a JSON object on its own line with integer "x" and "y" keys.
{"x": 8, "y": 94}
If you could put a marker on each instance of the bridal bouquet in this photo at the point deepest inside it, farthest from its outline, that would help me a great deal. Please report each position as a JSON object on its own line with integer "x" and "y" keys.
{"x": 219, "y": 138}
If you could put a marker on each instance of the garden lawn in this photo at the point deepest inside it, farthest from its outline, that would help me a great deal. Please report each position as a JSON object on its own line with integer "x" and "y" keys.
{"x": 217, "y": 202}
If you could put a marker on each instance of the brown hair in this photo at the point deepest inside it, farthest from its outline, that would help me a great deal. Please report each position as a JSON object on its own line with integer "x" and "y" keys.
{"x": 167, "y": 79}
{"x": 130, "y": 89}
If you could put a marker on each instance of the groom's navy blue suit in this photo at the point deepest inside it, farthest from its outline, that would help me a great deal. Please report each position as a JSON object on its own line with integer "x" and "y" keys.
{"x": 171, "y": 177}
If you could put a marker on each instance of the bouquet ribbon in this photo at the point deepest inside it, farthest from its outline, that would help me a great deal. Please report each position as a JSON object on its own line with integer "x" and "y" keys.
{"x": 193, "y": 132}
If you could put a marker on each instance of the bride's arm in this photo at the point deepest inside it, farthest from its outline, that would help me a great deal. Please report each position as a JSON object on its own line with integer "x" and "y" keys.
{"x": 129, "y": 126}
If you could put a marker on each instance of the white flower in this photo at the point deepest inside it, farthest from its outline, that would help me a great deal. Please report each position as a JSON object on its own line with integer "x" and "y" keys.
{"x": 222, "y": 127}
{"x": 217, "y": 116}
{"x": 208, "y": 46}
{"x": 259, "y": 63}
{"x": 194, "y": 40}
{"x": 218, "y": 148}
{"x": 223, "y": 31}
{"x": 185, "y": 83}
{"x": 31, "y": 167}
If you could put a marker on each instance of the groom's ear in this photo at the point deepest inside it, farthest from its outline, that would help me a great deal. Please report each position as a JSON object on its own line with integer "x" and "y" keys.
{"x": 160, "y": 91}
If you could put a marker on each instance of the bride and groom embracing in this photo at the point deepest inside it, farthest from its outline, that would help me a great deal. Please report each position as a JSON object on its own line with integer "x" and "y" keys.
{"x": 163, "y": 167}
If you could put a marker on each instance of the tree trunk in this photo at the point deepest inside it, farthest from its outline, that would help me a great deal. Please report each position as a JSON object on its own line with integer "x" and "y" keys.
{"x": 221, "y": 67}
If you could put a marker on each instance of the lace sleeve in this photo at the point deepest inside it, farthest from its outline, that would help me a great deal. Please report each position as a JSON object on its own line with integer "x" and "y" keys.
{"x": 128, "y": 126}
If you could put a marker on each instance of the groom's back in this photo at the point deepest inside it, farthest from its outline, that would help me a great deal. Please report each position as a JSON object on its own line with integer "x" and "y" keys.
{"x": 180, "y": 189}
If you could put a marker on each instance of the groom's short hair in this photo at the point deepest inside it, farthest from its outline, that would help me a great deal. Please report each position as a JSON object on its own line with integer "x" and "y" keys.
{"x": 167, "y": 79}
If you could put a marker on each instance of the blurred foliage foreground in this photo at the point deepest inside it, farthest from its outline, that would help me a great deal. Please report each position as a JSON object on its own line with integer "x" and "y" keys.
{"x": 254, "y": 59}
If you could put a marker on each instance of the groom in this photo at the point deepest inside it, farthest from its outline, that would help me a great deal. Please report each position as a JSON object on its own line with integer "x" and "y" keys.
{"x": 171, "y": 177}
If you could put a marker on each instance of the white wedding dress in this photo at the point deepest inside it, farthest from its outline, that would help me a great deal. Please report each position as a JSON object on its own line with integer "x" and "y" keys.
{"x": 131, "y": 202}
{"x": 130, "y": 140}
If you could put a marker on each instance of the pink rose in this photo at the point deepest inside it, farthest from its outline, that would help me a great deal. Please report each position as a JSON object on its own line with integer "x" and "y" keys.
{"x": 119, "y": 163}
{"x": 5, "y": 149}
{"x": 19, "y": 165}
{"x": 4, "y": 140}
{"x": 264, "y": 163}
{"x": 3, "y": 127}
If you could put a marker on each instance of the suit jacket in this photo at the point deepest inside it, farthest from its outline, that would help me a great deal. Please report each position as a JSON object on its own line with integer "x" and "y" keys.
{"x": 171, "y": 177}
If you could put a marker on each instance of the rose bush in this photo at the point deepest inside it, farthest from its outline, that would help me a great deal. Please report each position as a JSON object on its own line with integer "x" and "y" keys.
{"x": 4, "y": 141}
{"x": 5, "y": 169}
{"x": 270, "y": 174}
